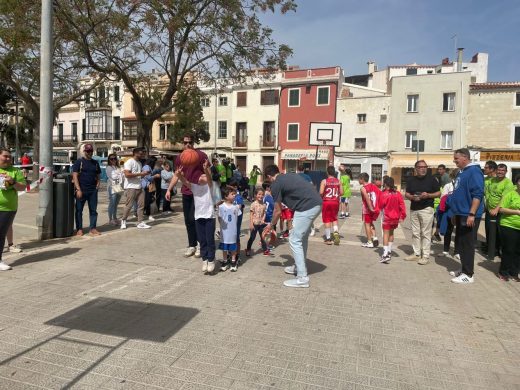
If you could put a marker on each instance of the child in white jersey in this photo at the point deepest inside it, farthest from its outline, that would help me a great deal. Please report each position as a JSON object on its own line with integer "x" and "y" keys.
{"x": 204, "y": 215}
{"x": 228, "y": 214}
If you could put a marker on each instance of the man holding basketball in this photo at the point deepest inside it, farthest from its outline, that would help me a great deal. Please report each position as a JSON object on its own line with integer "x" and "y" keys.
{"x": 192, "y": 174}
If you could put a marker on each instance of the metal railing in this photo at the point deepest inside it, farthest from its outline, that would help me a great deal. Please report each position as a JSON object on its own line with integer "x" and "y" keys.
{"x": 268, "y": 143}
{"x": 97, "y": 136}
{"x": 240, "y": 142}
{"x": 64, "y": 138}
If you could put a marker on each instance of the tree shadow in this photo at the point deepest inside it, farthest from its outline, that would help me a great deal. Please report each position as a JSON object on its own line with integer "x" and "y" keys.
{"x": 127, "y": 320}
{"x": 43, "y": 256}
{"x": 490, "y": 265}
{"x": 447, "y": 262}
{"x": 407, "y": 249}
{"x": 313, "y": 267}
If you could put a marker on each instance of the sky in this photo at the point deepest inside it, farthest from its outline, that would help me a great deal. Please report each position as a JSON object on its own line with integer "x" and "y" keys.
{"x": 348, "y": 33}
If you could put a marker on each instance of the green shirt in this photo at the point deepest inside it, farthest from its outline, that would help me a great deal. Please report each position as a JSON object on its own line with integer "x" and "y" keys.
{"x": 344, "y": 179}
{"x": 9, "y": 196}
{"x": 253, "y": 177}
{"x": 222, "y": 171}
{"x": 495, "y": 190}
{"x": 511, "y": 200}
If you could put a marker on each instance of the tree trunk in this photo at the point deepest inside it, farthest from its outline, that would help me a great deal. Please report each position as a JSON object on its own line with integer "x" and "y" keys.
{"x": 36, "y": 148}
{"x": 144, "y": 134}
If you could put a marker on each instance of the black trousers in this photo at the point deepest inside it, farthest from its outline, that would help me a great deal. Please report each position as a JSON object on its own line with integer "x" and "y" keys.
{"x": 206, "y": 236}
{"x": 447, "y": 238}
{"x": 188, "y": 207}
{"x": 510, "y": 251}
{"x": 488, "y": 225}
{"x": 257, "y": 229}
{"x": 466, "y": 237}
{"x": 6, "y": 219}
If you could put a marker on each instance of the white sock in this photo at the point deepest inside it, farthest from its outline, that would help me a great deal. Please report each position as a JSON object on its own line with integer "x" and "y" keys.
{"x": 385, "y": 248}
{"x": 374, "y": 238}
{"x": 327, "y": 233}
{"x": 335, "y": 228}
{"x": 390, "y": 247}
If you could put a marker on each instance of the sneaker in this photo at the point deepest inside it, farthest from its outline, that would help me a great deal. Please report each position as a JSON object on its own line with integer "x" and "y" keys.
{"x": 14, "y": 248}
{"x": 300, "y": 281}
{"x": 335, "y": 238}
{"x": 151, "y": 219}
{"x": 342, "y": 216}
{"x": 267, "y": 253}
{"x": 143, "y": 225}
{"x": 123, "y": 224}
{"x": 347, "y": 215}
{"x": 197, "y": 252}
{"x": 515, "y": 278}
{"x": 190, "y": 251}
{"x": 447, "y": 254}
{"x": 79, "y": 233}
{"x": 457, "y": 256}
{"x": 248, "y": 253}
{"x": 94, "y": 232}
{"x": 327, "y": 241}
{"x": 313, "y": 232}
{"x": 503, "y": 277}
{"x": 224, "y": 266}
{"x": 455, "y": 273}
{"x": 291, "y": 270}
{"x": 423, "y": 261}
{"x": 234, "y": 267}
{"x": 205, "y": 266}
{"x": 368, "y": 244}
{"x": 217, "y": 234}
{"x": 285, "y": 234}
{"x": 437, "y": 237}
{"x": 113, "y": 222}
{"x": 462, "y": 279}
{"x": 413, "y": 257}
{"x": 4, "y": 266}
{"x": 211, "y": 266}
{"x": 385, "y": 258}
{"x": 375, "y": 241}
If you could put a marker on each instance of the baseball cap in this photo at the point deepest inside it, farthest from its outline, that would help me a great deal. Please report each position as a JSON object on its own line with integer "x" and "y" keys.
{"x": 88, "y": 148}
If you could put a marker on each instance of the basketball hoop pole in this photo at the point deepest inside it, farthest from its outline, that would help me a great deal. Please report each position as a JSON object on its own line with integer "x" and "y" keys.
{"x": 316, "y": 158}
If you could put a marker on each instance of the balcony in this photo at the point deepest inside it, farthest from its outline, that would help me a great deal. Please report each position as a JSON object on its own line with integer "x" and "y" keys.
{"x": 129, "y": 137}
{"x": 240, "y": 142}
{"x": 268, "y": 143}
{"x": 57, "y": 138}
{"x": 98, "y": 136}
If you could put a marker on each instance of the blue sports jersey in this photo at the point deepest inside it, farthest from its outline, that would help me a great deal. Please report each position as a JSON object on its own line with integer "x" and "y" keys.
{"x": 269, "y": 201}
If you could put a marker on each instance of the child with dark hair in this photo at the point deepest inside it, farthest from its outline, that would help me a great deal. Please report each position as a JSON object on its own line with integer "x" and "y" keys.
{"x": 257, "y": 222}
{"x": 239, "y": 201}
{"x": 394, "y": 210}
{"x": 269, "y": 204}
{"x": 228, "y": 214}
{"x": 370, "y": 195}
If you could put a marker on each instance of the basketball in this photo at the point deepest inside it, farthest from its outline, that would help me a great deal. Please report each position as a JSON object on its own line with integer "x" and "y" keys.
{"x": 189, "y": 158}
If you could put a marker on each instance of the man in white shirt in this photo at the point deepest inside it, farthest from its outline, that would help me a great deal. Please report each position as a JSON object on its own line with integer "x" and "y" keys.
{"x": 133, "y": 190}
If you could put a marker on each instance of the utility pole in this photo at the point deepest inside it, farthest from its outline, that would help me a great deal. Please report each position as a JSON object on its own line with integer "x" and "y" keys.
{"x": 44, "y": 219}
{"x": 16, "y": 136}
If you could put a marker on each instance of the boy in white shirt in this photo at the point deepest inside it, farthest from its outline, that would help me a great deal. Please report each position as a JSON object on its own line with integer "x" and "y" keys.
{"x": 228, "y": 215}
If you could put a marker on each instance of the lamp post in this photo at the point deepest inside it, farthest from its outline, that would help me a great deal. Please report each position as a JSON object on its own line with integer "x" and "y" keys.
{"x": 16, "y": 135}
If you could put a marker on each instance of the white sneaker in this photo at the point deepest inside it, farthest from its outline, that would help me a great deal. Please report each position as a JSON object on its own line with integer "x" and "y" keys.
{"x": 143, "y": 225}
{"x": 205, "y": 266}
{"x": 313, "y": 232}
{"x": 375, "y": 241}
{"x": 368, "y": 244}
{"x": 462, "y": 279}
{"x": 234, "y": 267}
{"x": 291, "y": 270}
{"x": 300, "y": 281}
{"x": 14, "y": 248}
{"x": 197, "y": 252}
{"x": 190, "y": 251}
{"x": 151, "y": 219}
{"x": 457, "y": 256}
{"x": 217, "y": 234}
{"x": 4, "y": 266}
{"x": 211, "y": 266}
{"x": 446, "y": 253}
{"x": 123, "y": 224}
{"x": 455, "y": 273}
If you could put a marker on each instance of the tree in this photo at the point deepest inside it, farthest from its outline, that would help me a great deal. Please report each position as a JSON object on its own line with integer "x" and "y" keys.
{"x": 20, "y": 62}
{"x": 188, "y": 115}
{"x": 182, "y": 39}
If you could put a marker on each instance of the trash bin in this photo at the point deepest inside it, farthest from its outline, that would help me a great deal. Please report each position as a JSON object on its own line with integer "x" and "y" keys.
{"x": 63, "y": 205}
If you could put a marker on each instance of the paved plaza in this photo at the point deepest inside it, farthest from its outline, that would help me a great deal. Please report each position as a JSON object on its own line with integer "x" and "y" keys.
{"x": 126, "y": 310}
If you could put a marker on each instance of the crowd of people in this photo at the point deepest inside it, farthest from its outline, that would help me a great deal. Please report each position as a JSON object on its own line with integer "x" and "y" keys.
{"x": 213, "y": 194}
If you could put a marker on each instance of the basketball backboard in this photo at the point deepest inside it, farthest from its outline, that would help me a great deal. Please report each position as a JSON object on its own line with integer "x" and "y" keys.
{"x": 325, "y": 134}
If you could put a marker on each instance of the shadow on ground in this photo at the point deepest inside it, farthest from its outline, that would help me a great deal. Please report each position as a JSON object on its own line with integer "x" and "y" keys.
{"x": 490, "y": 266}
{"x": 312, "y": 266}
{"x": 43, "y": 256}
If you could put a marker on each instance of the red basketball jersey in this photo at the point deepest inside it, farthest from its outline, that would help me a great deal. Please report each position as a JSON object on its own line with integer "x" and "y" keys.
{"x": 331, "y": 192}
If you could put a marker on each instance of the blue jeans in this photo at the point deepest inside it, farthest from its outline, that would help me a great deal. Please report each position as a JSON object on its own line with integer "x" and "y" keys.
{"x": 113, "y": 201}
{"x": 92, "y": 198}
{"x": 299, "y": 237}
{"x": 206, "y": 236}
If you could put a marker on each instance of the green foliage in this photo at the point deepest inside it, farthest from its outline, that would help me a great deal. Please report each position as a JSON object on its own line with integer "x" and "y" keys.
{"x": 188, "y": 115}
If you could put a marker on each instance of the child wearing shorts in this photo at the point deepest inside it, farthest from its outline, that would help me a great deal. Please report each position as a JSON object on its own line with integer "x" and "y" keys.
{"x": 394, "y": 210}
{"x": 228, "y": 214}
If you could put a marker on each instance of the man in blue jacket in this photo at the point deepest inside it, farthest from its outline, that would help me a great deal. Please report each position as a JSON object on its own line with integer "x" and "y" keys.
{"x": 467, "y": 207}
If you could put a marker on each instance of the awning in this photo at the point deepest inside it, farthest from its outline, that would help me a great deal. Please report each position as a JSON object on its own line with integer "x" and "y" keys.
{"x": 304, "y": 154}
{"x": 408, "y": 161}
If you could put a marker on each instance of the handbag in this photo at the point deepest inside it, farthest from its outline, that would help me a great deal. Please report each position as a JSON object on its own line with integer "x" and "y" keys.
{"x": 117, "y": 188}
{"x": 151, "y": 187}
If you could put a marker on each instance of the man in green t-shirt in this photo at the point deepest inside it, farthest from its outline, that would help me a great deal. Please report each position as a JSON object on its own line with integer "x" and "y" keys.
{"x": 345, "y": 175}
{"x": 11, "y": 181}
{"x": 490, "y": 172}
{"x": 253, "y": 179}
{"x": 510, "y": 233}
{"x": 495, "y": 189}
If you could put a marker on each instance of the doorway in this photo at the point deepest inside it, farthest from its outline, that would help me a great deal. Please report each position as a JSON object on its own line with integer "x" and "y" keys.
{"x": 241, "y": 164}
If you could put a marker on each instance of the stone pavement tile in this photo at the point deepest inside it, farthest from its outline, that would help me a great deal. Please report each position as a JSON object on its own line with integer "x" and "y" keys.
{"x": 240, "y": 385}
{"x": 11, "y": 384}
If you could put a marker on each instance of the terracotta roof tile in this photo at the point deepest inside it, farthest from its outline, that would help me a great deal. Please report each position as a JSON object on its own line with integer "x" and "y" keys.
{"x": 496, "y": 85}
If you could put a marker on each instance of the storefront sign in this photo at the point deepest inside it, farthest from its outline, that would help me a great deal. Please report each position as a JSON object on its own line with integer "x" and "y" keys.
{"x": 500, "y": 155}
{"x": 323, "y": 154}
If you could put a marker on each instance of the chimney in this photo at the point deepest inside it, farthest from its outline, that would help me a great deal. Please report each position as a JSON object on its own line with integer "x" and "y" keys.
{"x": 459, "y": 59}
{"x": 371, "y": 67}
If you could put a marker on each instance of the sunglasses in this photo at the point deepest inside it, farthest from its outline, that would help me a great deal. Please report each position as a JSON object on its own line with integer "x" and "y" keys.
{"x": 113, "y": 158}
{"x": 187, "y": 142}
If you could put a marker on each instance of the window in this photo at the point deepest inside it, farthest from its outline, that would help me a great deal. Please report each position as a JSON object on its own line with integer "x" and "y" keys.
{"x": 293, "y": 130}
{"x": 323, "y": 96}
{"x": 411, "y": 71}
{"x": 222, "y": 129}
{"x": 222, "y": 101}
{"x": 517, "y": 99}
{"x": 117, "y": 127}
{"x": 376, "y": 171}
{"x": 382, "y": 118}
{"x": 361, "y": 118}
{"x": 87, "y": 97}
{"x": 116, "y": 93}
{"x": 446, "y": 139}
{"x": 162, "y": 132}
{"x": 516, "y": 136}
{"x": 413, "y": 103}
{"x": 204, "y": 102}
{"x": 410, "y": 137}
{"x": 74, "y": 131}
{"x": 268, "y": 139}
{"x": 60, "y": 132}
{"x": 355, "y": 169}
{"x": 206, "y": 126}
{"x": 241, "y": 99}
{"x": 269, "y": 97}
{"x": 294, "y": 97}
{"x": 360, "y": 143}
{"x": 448, "y": 101}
